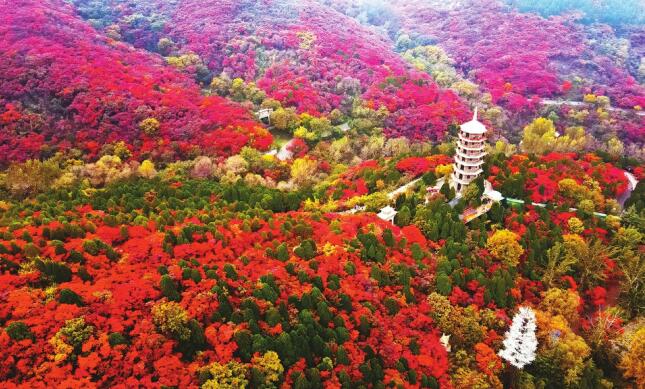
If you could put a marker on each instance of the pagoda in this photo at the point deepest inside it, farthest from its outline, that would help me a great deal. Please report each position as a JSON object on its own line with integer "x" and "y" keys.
{"x": 470, "y": 153}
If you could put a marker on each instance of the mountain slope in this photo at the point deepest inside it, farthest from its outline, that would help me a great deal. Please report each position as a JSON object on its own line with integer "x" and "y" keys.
{"x": 64, "y": 86}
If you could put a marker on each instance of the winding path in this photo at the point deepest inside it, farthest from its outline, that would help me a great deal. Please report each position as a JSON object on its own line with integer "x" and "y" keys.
{"x": 583, "y": 104}
{"x": 632, "y": 182}
{"x": 402, "y": 189}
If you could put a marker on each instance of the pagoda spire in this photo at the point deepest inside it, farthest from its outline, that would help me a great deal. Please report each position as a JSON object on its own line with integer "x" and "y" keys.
{"x": 475, "y": 115}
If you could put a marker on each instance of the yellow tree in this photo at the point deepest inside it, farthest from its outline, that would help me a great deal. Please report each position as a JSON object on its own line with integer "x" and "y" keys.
{"x": 221, "y": 84}
{"x": 633, "y": 361}
{"x": 539, "y": 136}
{"x": 184, "y": 60}
{"x": 502, "y": 147}
{"x": 443, "y": 170}
{"x": 70, "y": 338}
{"x": 504, "y": 246}
{"x": 31, "y": 177}
{"x": 232, "y": 375}
{"x": 147, "y": 169}
{"x": 561, "y": 346}
{"x": 270, "y": 366}
{"x": 558, "y": 264}
{"x": 150, "y": 126}
{"x": 574, "y": 139}
{"x": 236, "y": 164}
{"x": 285, "y": 119}
{"x": 563, "y": 302}
{"x": 631, "y": 262}
{"x": 576, "y": 225}
{"x": 171, "y": 319}
{"x": 303, "y": 171}
{"x": 588, "y": 258}
{"x": 615, "y": 148}
{"x": 107, "y": 169}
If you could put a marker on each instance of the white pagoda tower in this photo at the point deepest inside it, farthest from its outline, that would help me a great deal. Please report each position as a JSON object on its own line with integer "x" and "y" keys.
{"x": 470, "y": 153}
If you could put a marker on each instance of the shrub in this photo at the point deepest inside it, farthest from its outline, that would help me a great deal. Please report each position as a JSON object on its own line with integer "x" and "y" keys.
{"x": 306, "y": 250}
{"x": 171, "y": 319}
{"x": 54, "y": 271}
{"x": 231, "y": 375}
{"x": 444, "y": 284}
{"x": 68, "y": 296}
{"x": 18, "y": 330}
{"x": 149, "y": 126}
{"x": 116, "y": 338}
{"x": 632, "y": 360}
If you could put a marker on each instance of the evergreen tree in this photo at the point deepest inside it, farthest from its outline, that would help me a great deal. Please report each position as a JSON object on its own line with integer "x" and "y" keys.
{"x": 445, "y": 190}
{"x": 282, "y": 253}
{"x": 68, "y": 296}
{"x": 341, "y": 356}
{"x": 444, "y": 284}
{"x": 388, "y": 238}
{"x": 306, "y": 250}
{"x": 403, "y": 217}
{"x": 19, "y": 331}
{"x": 53, "y": 271}
{"x": 499, "y": 291}
{"x": 169, "y": 288}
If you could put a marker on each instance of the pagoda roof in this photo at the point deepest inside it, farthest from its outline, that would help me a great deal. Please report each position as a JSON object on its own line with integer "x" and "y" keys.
{"x": 474, "y": 126}
{"x": 493, "y": 195}
{"x": 387, "y": 213}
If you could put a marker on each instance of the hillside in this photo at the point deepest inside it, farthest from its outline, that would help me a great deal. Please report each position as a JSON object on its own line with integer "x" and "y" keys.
{"x": 322, "y": 194}
{"x": 65, "y": 86}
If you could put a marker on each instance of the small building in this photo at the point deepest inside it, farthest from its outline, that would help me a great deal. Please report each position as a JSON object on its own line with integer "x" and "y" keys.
{"x": 387, "y": 213}
{"x": 470, "y": 153}
{"x": 264, "y": 115}
{"x": 344, "y": 127}
{"x": 491, "y": 196}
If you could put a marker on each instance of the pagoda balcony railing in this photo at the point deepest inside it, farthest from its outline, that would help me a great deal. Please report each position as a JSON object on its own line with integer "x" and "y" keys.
{"x": 468, "y": 161}
{"x": 471, "y": 145}
{"x": 471, "y": 138}
{"x": 464, "y": 179}
{"x": 467, "y": 168}
{"x": 467, "y": 153}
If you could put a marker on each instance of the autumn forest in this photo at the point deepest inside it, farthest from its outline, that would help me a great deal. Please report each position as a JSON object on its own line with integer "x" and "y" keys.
{"x": 322, "y": 194}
